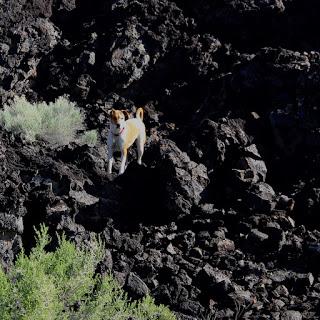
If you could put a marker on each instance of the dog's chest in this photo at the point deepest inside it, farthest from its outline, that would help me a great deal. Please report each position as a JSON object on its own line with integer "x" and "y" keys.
{"x": 118, "y": 142}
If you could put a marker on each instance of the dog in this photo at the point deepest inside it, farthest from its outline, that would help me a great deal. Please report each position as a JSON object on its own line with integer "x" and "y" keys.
{"x": 123, "y": 133}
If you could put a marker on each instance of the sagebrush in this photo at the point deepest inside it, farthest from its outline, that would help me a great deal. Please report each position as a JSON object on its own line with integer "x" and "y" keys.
{"x": 56, "y": 122}
{"x": 89, "y": 138}
{"x": 63, "y": 285}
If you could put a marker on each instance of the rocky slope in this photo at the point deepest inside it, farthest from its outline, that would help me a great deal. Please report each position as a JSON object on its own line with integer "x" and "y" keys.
{"x": 222, "y": 220}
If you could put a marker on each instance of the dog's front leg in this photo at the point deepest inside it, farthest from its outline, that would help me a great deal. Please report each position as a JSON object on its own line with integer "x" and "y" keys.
{"x": 110, "y": 160}
{"x": 110, "y": 163}
{"x": 110, "y": 151}
{"x": 123, "y": 160}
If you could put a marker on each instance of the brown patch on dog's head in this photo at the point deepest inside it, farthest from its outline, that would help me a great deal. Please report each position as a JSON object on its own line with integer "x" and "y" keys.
{"x": 118, "y": 115}
{"x": 126, "y": 113}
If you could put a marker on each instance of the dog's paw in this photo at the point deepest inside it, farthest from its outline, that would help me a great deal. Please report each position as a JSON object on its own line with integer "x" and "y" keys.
{"x": 110, "y": 176}
{"x": 141, "y": 165}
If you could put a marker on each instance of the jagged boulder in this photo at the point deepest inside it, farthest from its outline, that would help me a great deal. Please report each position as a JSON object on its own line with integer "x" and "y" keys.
{"x": 185, "y": 179}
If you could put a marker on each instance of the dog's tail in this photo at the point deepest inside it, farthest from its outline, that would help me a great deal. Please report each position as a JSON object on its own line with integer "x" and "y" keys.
{"x": 139, "y": 114}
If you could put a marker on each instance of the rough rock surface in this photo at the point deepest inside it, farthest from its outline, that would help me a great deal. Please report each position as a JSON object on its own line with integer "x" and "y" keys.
{"x": 222, "y": 219}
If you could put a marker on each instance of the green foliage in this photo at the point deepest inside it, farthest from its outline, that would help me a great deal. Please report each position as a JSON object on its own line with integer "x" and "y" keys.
{"x": 60, "y": 121}
{"x": 56, "y": 122}
{"x": 63, "y": 285}
{"x": 90, "y": 138}
{"x": 5, "y": 300}
{"x": 22, "y": 116}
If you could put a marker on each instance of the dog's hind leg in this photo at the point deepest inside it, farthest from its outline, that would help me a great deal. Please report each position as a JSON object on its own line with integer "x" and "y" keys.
{"x": 110, "y": 163}
{"x": 140, "y": 148}
{"x": 110, "y": 152}
{"x": 123, "y": 161}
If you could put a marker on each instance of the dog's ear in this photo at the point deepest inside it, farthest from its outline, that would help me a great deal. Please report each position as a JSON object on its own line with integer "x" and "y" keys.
{"x": 126, "y": 113}
{"x": 110, "y": 112}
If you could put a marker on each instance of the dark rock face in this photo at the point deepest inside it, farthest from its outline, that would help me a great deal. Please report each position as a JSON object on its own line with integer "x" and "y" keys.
{"x": 26, "y": 35}
{"x": 222, "y": 219}
{"x": 189, "y": 178}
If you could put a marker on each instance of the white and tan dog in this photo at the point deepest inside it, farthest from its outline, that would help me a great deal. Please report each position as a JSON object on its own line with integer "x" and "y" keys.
{"x": 123, "y": 133}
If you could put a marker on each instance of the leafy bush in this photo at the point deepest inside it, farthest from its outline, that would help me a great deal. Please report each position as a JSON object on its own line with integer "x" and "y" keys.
{"x": 22, "y": 116}
{"x": 56, "y": 122}
{"x": 63, "y": 285}
{"x": 90, "y": 138}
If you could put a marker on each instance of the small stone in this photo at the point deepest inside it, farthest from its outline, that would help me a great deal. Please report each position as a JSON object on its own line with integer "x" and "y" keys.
{"x": 279, "y": 276}
{"x": 11, "y": 222}
{"x": 291, "y": 315}
{"x": 171, "y": 236}
{"x": 92, "y": 58}
{"x": 242, "y": 296}
{"x": 191, "y": 307}
{"x": 83, "y": 198}
{"x": 261, "y": 197}
{"x": 275, "y": 315}
{"x": 286, "y": 203}
{"x": 196, "y": 252}
{"x": 120, "y": 277}
{"x": 292, "y": 222}
{"x": 225, "y": 245}
{"x": 224, "y": 314}
{"x": 170, "y": 249}
{"x": 317, "y": 287}
{"x": 107, "y": 263}
{"x": 214, "y": 275}
{"x": 59, "y": 207}
{"x": 257, "y": 235}
{"x": 280, "y": 291}
{"x": 255, "y": 115}
{"x": 305, "y": 280}
{"x": 136, "y": 287}
{"x": 279, "y": 304}
{"x": 184, "y": 278}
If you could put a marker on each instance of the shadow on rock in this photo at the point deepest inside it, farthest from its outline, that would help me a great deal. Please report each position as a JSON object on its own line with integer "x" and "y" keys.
{"x": 142, "y": 197}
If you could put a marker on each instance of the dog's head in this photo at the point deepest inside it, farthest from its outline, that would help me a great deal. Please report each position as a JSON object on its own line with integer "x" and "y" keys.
{"x": 118, "y": 118}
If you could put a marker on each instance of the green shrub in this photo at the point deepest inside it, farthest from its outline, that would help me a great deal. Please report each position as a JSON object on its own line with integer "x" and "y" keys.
{"x": 56, "y": 122}
{"x": 63, "y": 285}
{"x": 90, "y": 138}
{"x": 22, "y": 116}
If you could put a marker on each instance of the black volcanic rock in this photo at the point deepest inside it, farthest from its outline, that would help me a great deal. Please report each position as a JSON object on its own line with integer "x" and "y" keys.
{"x": 222, "y": 219}
{"x": 136, "y": 287}
{"x": 26, "y": 35}
{"x": 261, "y": 197}
{"x": 186, "y": 180}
